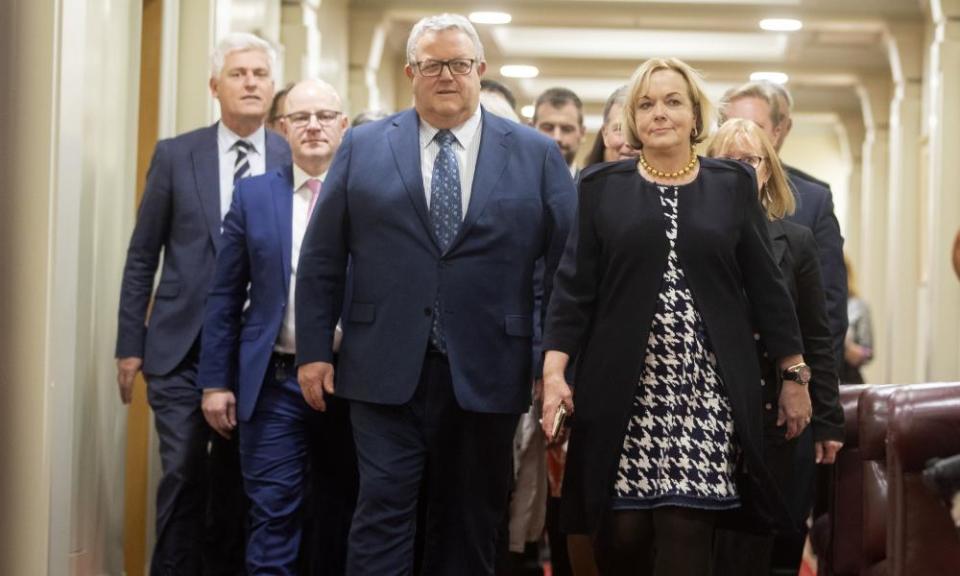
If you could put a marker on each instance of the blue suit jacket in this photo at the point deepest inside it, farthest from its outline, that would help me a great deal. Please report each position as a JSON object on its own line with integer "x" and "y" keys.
{"x": 179, "y": 217}
{"x": 815, "y": 211}
{"x": 374, "y": 211}
{"x": 255, "y": 251}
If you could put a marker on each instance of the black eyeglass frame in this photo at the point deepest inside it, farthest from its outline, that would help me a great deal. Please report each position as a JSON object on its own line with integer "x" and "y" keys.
{"x": 448, "y": 64}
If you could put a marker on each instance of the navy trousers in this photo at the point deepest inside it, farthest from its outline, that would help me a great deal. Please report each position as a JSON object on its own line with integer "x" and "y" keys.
{"x": 469, "y": 458}
{"x": 200, "y": 502}
{"x": 289, "y": 451}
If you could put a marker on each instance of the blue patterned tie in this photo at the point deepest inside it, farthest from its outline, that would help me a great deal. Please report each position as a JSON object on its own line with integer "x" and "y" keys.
{"x": 445, "y": 213}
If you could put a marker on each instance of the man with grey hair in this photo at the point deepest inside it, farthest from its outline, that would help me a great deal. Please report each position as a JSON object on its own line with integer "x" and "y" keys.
{"x": 442, "y": 211}
{"x": 187, "y": 193}
{"x": 768, "y": 105}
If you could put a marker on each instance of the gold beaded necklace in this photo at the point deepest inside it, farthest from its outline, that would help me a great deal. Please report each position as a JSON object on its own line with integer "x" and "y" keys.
{"x": 670, "y": 175}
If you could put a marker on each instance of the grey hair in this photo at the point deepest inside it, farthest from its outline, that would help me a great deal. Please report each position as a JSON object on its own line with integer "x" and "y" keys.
{"x": 782, "y": 92}
{"x": 438, "y": 23}
{"x": 239, "y": 42}
{"x": 761, "y": 90}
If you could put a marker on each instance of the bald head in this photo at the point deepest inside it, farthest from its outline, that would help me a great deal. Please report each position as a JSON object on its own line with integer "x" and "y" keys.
{"x": 314, "y": 124}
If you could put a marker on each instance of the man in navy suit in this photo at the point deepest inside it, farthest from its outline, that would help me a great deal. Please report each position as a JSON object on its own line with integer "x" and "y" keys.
{"x": 247, "y": 358}
{"x": 442, "y": 211}
{"x": 188, "y": 191}
{"x": 768, "y": 106}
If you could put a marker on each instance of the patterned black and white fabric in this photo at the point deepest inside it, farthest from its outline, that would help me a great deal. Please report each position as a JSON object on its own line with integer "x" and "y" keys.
{"x": 679, "y": 449}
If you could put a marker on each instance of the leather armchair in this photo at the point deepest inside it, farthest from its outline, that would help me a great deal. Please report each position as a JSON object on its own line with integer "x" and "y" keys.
{"x": 924, "y": 423}
{"x": 846, "y": 500}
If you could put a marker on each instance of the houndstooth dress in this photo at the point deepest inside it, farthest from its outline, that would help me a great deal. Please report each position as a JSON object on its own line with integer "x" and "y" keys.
{"x": 679, "y": 448}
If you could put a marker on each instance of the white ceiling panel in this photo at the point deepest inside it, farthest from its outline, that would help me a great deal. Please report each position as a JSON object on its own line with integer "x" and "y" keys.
{"x": 593, "y": 43}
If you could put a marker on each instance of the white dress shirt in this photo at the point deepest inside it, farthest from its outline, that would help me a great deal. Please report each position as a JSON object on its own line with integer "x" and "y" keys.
{"x": 287, "y": 339}
{"x": 466, "y": 149}
{"x": 257, "y": 156}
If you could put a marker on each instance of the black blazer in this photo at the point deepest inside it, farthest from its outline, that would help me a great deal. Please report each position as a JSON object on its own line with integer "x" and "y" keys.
{"x": 795, "y": 251}
{"x": 605, "y": 295}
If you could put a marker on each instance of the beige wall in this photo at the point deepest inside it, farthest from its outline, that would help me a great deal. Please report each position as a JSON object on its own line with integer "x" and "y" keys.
{"x": 63, "y": 227}
{"x": 28, "y": 30}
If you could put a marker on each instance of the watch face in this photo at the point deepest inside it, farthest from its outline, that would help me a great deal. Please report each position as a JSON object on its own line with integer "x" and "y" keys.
{"x": 804, "y": 374}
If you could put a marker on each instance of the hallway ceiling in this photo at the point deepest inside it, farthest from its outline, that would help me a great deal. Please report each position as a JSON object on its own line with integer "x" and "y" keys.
{"x": 592, "y": 46}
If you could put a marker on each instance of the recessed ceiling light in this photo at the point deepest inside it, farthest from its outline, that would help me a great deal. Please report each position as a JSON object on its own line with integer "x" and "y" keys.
{"x": 519, "y": 71}
{"x": 781, "y": 24}
{"x": 527, "y": 111}
{"x": 490, "y": 17}
{"x": 775, "y": 77}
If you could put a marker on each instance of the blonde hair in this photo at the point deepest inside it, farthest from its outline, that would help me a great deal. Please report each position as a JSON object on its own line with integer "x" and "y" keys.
{"x": 640, "y": 85}
{"x": 775, "y": 196}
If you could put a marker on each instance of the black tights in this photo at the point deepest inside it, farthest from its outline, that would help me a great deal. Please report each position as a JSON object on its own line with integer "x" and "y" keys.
{"x": 669, "y": 541}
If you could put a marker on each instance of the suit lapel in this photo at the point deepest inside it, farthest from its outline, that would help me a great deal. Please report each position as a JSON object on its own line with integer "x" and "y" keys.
{"x": 778, "y": 240}
{"x": 206, "y": 170}
{"x": 491, "y": 161}
{"x": 281, "y": 188}
{"x": 404, "y": 138}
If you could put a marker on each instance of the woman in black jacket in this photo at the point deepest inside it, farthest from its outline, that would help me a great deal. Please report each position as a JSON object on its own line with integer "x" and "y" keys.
{"x": 745, "y": 547}
{"x": 650, "y": 296}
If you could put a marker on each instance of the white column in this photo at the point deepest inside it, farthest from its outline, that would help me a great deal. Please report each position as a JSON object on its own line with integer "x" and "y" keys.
{"x": 875, "y": 99}
{"x": 942, "y": 337}
{"x": 905, "y": 49}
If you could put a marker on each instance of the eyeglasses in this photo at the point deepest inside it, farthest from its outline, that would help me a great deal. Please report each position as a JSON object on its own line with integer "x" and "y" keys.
{"x": 457, "y": 67}
{"x": 302, "y": 119}
{"x": 754, "y": 161}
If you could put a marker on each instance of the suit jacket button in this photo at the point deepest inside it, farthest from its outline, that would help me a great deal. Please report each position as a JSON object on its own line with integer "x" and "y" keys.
{"x": 428, "y": 311}
{"x": 768, "y": 406}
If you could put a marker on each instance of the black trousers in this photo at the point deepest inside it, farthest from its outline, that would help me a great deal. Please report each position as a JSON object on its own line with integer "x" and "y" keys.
{"x": 201, "y": 505}
{"x": 667, "y": 541}
{"x": 468, "y": 458}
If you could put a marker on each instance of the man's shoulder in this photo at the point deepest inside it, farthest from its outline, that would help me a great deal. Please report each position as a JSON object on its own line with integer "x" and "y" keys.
{"x": 189, "y": 140}
{"x": 798, "y": 173}
{"x": 808, "y": 190}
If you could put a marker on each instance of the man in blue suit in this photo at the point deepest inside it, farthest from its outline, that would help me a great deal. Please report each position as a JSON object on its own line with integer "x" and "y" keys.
{"x": 188, "y": 191}
{"x": 247, "y": 358}
{"x": 768, "y": 105}
{"x": 442, "y": 211}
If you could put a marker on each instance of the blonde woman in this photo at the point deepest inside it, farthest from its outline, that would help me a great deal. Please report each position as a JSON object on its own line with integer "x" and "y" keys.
{"x": 649, "y": 295}
{"x": 745, "y": 548}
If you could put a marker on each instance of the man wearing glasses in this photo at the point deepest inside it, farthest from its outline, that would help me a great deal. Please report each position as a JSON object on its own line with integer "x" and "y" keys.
{"x": 442, "y": 211}
{"x": 247, "y": 369}
{"x": 187, "y": 193}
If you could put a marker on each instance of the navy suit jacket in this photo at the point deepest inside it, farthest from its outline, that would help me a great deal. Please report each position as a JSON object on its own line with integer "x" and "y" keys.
{"x": 373, "y": 210}
{"x": 255, "y": 251}
{"x": 815, "y": 211}
{"x": 179, "y": 217}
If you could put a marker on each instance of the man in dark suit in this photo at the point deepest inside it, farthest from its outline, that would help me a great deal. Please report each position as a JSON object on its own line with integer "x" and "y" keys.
{"x": 246, "y": 361}
{"x": 768, "y": 105}
{"x": 442, "y": 211}
{"x": 187, "y": 193}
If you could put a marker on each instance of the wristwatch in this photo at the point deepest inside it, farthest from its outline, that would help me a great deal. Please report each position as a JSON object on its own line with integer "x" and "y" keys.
{"x": 799, "y": 373}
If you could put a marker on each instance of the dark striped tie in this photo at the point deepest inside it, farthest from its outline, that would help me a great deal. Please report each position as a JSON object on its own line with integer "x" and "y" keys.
{"x": 241, "y": 168}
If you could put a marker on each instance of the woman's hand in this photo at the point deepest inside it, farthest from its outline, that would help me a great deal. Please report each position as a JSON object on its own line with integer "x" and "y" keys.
{"x": 795, "y": 409}
{"x": 555, "y": 391}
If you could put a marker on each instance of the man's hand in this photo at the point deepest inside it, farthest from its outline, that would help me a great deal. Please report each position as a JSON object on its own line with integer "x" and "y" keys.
{"x": 826, "y": 451}
{"x": 794, "y": 409}
{"x": 315, "y": 378}
{"x": 127, "y": 369}
{"x": 220, "y": 409}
